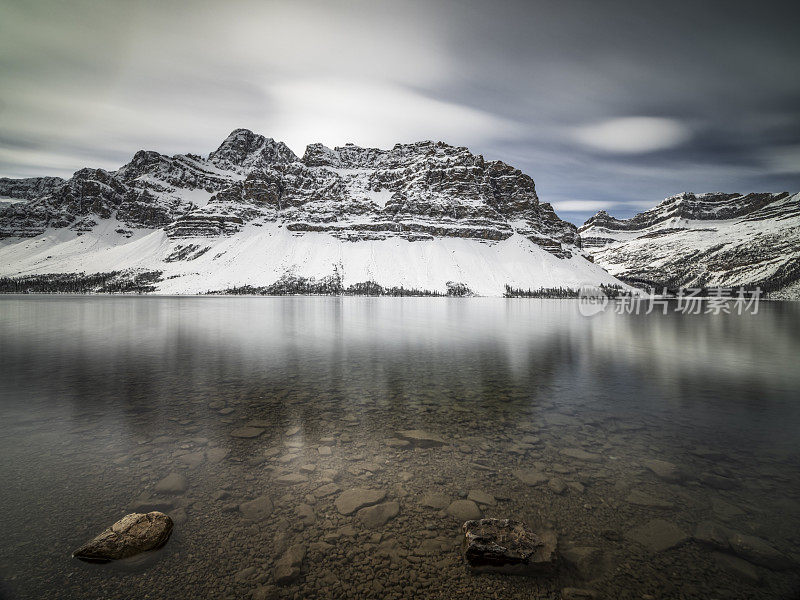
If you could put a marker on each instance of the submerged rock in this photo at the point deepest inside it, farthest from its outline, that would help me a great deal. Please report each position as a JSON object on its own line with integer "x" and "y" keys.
{"x": 247, "y": 432}
{"x": 664, "y": 470}
{"x": 737, "y": 567}
{"x": 131, "y": 535}
{"x": 481, "y": 497}
{"x": 432, "y": 500}
{"x": 507, "y": 546}
{"x": 174, "y": 483}
{"x": 748, "y": 547}
{"x": 657, "y": 535}
{"x": 288, "y": 566}
{"x": 353, "y": 499}
{"x": 581, "y": 454}
{"x": 378, "y": 515}
{"x": 464, "y": 510}
{"x": 258, "y": 509}
{"x": 530, "y": 476}
{"x": 557, "y": 485}
{"x": 420, "y": 438}
{"x": 642, "y": 499}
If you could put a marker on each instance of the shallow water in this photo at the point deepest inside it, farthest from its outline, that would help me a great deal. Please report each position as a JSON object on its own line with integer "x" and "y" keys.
{"x": 102, "y": 397}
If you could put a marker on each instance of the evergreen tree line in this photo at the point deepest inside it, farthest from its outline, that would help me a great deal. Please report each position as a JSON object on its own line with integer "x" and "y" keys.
{"x": 115, "y": 282}
{"x": 611, "y": 291}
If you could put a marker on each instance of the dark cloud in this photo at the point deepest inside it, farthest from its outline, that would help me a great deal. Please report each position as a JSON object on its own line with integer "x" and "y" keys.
{"x": 89, "y": 83}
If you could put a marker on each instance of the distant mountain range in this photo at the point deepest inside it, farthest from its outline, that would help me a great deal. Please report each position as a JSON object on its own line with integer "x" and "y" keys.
{"x": 704, "y": 240}
{"x": 417, "y": 218}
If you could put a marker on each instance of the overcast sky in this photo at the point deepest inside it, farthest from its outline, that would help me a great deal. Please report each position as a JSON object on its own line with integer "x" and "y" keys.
{"x": 607, "y": 105}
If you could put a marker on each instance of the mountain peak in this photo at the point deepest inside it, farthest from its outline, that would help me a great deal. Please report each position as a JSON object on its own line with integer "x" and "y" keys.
{"x": 243, "y": 148}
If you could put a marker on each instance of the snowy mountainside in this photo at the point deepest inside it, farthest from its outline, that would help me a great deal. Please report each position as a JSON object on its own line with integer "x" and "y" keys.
{"x": 252, "y": 213}
{"x": 695, "y": 240}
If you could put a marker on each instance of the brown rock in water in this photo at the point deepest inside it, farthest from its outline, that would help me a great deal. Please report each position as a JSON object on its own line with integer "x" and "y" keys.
{"x": 131, "y": 535}
{"x": 288, "y": 566}
{"x": 378, "y": 515}
{"x": 258, "y": 509}
{"x": 507, "y": 546}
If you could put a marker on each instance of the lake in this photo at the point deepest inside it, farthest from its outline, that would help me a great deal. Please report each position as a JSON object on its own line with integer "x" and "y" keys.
{"x": 663, "y": 448}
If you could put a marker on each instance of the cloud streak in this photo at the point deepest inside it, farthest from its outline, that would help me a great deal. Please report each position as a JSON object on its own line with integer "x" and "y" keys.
{"x": 603, "y": 105}
{"x": 633, "y": 135}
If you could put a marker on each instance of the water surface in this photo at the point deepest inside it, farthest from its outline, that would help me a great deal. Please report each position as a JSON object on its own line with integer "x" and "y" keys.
{"x": 102, "y": 397}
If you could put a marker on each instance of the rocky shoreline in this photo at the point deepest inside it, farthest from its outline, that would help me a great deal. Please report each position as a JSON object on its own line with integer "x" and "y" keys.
{"x": 330, "y": 513}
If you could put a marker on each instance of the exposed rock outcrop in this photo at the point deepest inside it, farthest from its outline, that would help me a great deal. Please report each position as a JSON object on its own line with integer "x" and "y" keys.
{"x": 131, "y": 535}
{"x": 414, "y": 191}
{"x": 507, "y": 546}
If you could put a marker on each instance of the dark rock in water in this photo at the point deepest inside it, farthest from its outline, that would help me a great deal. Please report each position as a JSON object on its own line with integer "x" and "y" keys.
{"x": 758, "y": 552}
{"x": 586, "y": 560}
{"x": 748, "y": 547}
{"x": 507, "y": 546}
{"x": 131, "y": 535}
{"x": 712, "y": 534}
{"x": 737, "y": 567}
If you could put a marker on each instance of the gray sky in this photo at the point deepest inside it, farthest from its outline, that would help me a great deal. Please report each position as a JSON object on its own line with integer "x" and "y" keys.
{"x": 608, "y": 104}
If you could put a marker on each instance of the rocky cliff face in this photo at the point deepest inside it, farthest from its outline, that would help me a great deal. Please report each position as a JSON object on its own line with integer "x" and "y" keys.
{"x": 253, "y": 216}
{"x": 414, "y": 191}
{"x": 703, "y": 240}
{"x": 28, "y": 189}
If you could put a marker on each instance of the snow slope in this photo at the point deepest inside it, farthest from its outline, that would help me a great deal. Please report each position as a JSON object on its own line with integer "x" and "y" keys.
{"x": 258, "y": 256}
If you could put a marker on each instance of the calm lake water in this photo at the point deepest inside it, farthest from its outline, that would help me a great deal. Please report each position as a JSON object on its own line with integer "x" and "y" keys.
{"x": 644, "y": 433}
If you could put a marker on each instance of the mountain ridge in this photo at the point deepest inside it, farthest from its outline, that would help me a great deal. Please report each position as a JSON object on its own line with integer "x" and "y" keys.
{"x": 702, "y": 240}
{"x": 480, "y": 221}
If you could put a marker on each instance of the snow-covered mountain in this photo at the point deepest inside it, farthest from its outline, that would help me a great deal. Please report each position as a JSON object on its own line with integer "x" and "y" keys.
{"x": 695, "y": 240}
{"x": 252, "y": 213}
